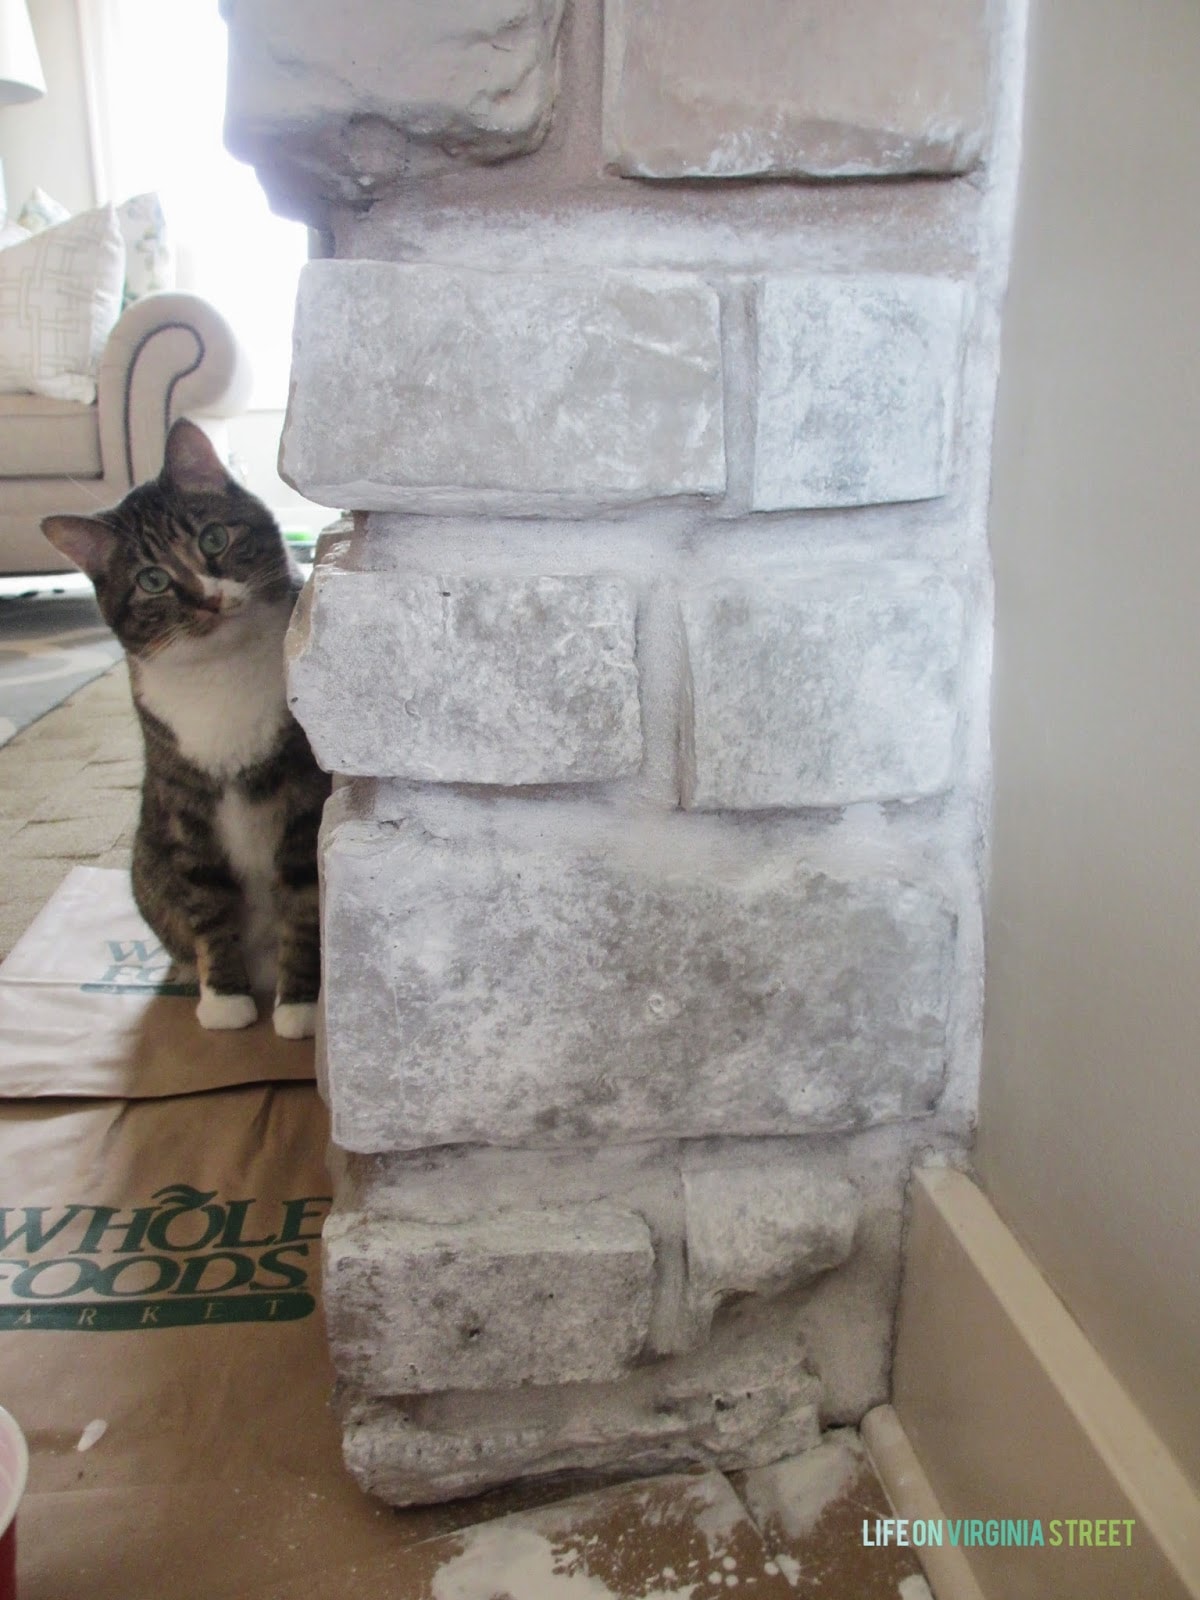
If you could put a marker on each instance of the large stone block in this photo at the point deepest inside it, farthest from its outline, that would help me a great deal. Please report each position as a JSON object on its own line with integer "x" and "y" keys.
{"x": 509, "y": 973}
{"x": 425, "y": 388}
{"x": 822, "y": 691}
{"x": 466, "y": 679}
{"x": 857, "y": 388}
{"x": 735, "y": 88}
{"x": 525, "y": 1297}
{"x": 337, "y": 102}
{"x": 733, "y": 1408}
{"x": 760, "y": 1230}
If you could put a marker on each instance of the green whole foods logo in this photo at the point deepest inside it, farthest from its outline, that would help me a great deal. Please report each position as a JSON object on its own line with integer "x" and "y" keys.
{"x": 137, "y": 966}
{"x": 188, "y": 1259}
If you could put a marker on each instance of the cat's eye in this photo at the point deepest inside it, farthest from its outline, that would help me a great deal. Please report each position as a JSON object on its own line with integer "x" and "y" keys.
{"x": 213, "y": 539}
{"x": 153, "y": 580}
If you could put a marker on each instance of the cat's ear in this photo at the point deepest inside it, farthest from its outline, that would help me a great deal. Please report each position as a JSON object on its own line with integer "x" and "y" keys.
{"x": 83, "y": 540}
{"x": 191, "y": 465}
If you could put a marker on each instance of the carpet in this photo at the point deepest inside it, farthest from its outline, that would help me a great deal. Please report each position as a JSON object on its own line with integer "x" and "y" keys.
{"x": 52, "y": 642}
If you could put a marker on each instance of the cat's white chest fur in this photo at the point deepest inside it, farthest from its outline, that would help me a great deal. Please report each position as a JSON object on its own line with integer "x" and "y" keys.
{"x": 223, "y": 698}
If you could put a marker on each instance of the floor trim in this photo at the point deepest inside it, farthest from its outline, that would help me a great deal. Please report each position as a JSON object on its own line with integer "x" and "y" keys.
{"x": 1006, "y": 1410}
{"x": 948, "y": 1570}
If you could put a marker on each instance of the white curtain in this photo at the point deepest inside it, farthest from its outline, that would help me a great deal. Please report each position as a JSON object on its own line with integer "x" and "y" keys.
{"x": 155, "y": 73}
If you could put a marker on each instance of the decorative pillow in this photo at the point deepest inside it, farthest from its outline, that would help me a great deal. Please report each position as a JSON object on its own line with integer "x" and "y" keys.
{"x": 149, "y": 258}
{"x": 60, "y": 294}
{"x": 41, "y": 211}
{"x": 12, "y": 233}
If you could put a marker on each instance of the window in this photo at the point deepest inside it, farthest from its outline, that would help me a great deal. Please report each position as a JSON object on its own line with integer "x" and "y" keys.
{"x": 156, "y": 89}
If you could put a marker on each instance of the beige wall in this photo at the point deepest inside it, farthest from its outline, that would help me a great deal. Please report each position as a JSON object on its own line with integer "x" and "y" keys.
{"x": 1090, "y": 1116}
{"x": 46, "y": 141}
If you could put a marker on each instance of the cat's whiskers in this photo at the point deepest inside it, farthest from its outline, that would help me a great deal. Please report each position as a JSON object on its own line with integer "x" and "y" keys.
{"x": 158, "y": 645}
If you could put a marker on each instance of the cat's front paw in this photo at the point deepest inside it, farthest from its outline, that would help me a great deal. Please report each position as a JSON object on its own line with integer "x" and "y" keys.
{"x": 225, "y": 1010}
{"x": 296, "y": 1019}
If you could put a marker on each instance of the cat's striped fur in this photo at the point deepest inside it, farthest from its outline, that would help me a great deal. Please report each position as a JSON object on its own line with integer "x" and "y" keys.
{"x": 194, "y": 578}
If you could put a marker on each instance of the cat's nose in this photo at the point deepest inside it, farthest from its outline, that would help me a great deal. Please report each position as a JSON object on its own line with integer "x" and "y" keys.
{"x": 210, "y": 602}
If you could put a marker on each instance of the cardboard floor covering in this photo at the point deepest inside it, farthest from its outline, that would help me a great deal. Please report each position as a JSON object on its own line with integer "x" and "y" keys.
{"x": 162, "y": 1346}
{"x": 90, "y": 1005}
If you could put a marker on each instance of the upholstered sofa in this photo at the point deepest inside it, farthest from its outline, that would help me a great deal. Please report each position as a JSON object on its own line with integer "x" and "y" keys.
{"x": 170, "y": 354}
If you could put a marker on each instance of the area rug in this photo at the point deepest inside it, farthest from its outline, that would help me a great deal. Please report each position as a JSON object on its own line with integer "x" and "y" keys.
{"x": 50, "y": 645}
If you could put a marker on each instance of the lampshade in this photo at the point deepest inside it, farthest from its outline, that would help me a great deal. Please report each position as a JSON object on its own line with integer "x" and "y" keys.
{"x": 20, "y": 69}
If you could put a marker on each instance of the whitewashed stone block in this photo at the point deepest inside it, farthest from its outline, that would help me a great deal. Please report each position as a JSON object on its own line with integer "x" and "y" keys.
{"x": 456, "y": 679}
{"x": 760, "y": 1230}
{"x": 737, "y": 1408}
{"x": 822, "y": 691}
{"x": 858, "y": 382}
{"x": 425, "y": 388}
{"x": 738, "y": 88}
{"x": 338, "y": 102}
{"x": 525, "y": 1297}
{"x": 510, "y": 973}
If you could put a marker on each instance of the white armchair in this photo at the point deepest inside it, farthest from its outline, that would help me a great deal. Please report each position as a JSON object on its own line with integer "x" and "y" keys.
{"x": 169, "y": 355}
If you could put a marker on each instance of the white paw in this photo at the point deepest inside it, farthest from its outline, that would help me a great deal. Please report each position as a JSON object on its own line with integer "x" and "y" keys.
{"x": 296, "y": 1020}
{"x": 225, "y": 1010}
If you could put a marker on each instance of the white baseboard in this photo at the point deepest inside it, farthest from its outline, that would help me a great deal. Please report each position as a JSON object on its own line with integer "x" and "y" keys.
{"x": 1004, "y": 1410}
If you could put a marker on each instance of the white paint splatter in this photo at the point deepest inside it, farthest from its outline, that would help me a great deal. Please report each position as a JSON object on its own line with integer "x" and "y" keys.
{"x": 92, "y": 1434}
{"x": 790, "y": 1568}
{"x": 723, "y": 1513}
{"x": 793, "y": 1495}
{"x": 503, "y": 1560}
{"x": 915, "y": 1588}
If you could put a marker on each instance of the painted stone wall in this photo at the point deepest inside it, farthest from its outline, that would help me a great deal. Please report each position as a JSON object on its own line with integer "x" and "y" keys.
{"x": 657, "y": 666}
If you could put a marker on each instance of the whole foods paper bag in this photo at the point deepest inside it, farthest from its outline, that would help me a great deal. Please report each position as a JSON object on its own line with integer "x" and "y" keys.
{"x": 159, "y": 1306}
{"x": 88, "y": 1007}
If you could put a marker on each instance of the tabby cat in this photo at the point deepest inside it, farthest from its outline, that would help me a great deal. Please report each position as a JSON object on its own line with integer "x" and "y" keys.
{"x": 194, "y": 578}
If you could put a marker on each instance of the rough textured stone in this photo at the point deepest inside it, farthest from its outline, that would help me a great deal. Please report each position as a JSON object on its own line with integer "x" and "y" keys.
{"x": 733, "y": 88}
{"x": 509, "y": 973}
{"x": 526, "y": 1297}
{"x": 857, "y": 388}
{"x": 733, "y": 1409}
{"x": 822, "y": 691}
{"x": 466, "y": 679}
{"x": 802, "y": 1181}
{"x": 338, "y": 102}
{"x": 425, "y": 388}
{"x": 760, "y": 1230}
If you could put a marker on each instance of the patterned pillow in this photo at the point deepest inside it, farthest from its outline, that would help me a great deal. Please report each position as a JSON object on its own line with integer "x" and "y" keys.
{"x": 41, "y": 211}
{"x": 149, "y": 255}
{"x": 60, "y": 294}
{"x": 149, "y": 258}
